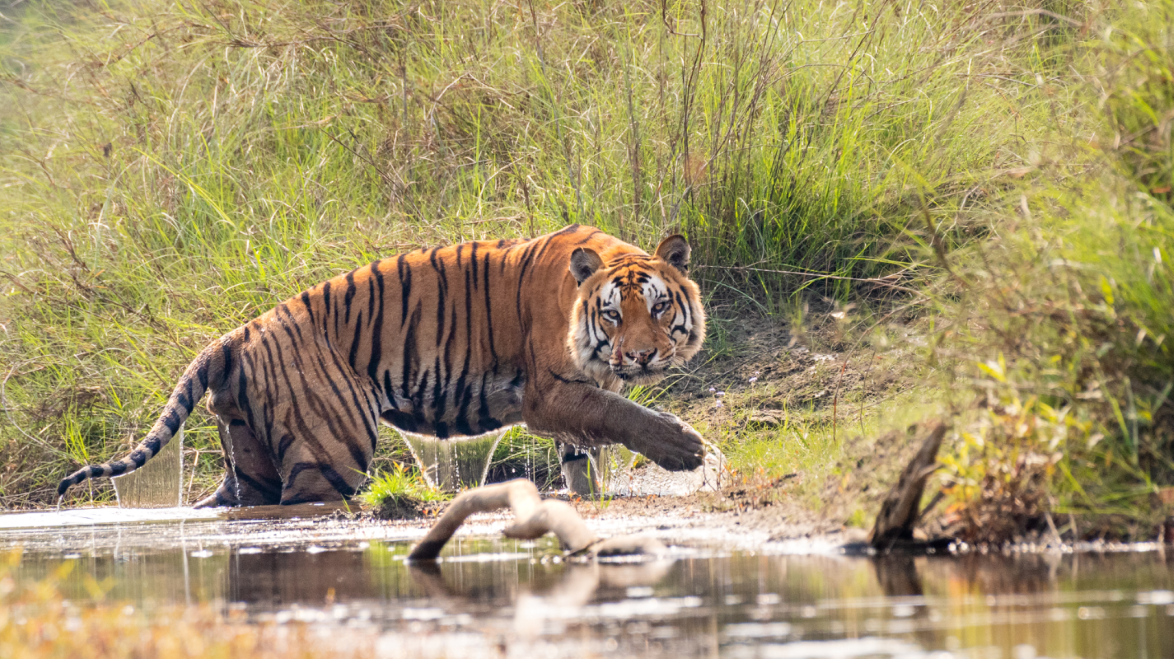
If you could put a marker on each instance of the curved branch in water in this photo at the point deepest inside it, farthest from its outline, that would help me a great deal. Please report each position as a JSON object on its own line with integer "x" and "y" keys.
{"x": 534, "y": 519}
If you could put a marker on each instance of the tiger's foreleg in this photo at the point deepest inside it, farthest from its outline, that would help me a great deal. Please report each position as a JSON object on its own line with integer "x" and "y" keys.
{"x": 580, "y": 413}
{"x": 580, "y": 468}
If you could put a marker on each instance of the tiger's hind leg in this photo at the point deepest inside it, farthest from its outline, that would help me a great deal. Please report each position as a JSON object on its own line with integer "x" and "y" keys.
{"x": 314, "y": 472}
{"x": 251, "y": 478}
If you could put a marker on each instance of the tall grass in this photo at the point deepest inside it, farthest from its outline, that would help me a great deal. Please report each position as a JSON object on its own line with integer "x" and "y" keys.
{"x": 170, "y": 169}
{"x": 1068, "y": 308}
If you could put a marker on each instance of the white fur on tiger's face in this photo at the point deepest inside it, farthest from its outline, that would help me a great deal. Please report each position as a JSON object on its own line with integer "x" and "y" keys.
{"x": 635, "y": 316}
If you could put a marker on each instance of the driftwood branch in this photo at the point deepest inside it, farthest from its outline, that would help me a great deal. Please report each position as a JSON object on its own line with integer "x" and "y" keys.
{"x": 534, "y": 519}
{"x": 899, "y": 512}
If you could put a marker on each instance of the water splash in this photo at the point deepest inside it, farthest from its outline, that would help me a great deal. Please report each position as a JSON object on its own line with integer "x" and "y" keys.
{"x": 157, "y": 484}
{"x": 450, "y": 465}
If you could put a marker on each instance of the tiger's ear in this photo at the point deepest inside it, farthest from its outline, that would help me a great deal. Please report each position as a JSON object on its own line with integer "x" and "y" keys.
{"x": 584, "y": 263}
{"x": 674, "y": 250}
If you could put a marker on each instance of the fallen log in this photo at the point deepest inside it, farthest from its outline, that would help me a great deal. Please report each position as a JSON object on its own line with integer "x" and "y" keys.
{"x": 535, "y": 518}
{"x": 901, "y": 507}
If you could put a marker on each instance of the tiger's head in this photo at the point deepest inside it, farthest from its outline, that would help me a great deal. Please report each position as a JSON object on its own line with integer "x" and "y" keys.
{"x": 636, "y": 315}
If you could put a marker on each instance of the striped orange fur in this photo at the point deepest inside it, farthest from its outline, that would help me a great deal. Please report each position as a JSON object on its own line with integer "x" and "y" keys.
{"x": 450, "y": 342}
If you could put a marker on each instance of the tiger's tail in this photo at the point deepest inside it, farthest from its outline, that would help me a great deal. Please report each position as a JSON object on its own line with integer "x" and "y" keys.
{"x": 207, "y": 369}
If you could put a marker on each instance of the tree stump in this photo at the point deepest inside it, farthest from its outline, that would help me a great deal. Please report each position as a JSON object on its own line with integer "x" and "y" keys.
{"x": 901, "y": 507}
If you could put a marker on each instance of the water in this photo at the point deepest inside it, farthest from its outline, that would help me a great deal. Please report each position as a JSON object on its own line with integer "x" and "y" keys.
{"x": 157, "y": 484}
{"x": 501, "y": 598}
{"x": 451, "y": 465}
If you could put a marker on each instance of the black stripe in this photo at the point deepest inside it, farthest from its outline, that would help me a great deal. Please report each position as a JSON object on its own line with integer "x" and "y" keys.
{"x": 441, "y": 286}
{"x": 337, "y": 319}
{"x": 489, "y": 314}
{"x": 527, "y": 256}
{"x": 356, "y": 338}
{"x": 270, "y": 488}
{"x": 376, "y": 358}
{"x": 684, "y": 307}
{"x": 460, "y": 393}
{"x": 336, "y": 481}
{"x": 185, "y": 399}
{"x": 483, "y": 419}
{"x": 564, "y": 380}
{"x": 326, "y": 300}
{"x": 242, "y": 395}
{"x": 350, "y": 294}
{"x": 283, "y": 309}
{"x": 586, "y": 239}
{"x": 306, "y": 301}
{"x": 148, "y": 449}
{"x": 283, "y": 445}
{"x": 405, "y": 280}
{"x": 172, "y": 421}
{"x": 371, "y": 294}
{"x": 268, "y": 377}
{"x": 410, "y": 353}
{"x": 389, "y": 389}
{"x": 542, "y": 251}
{"x": 226, "y": 367}
{"x": 473, "y": 263}
{"x": 442, "y": 402}
{"x": 438, "y": 395}
{"x": 418, "y": 398}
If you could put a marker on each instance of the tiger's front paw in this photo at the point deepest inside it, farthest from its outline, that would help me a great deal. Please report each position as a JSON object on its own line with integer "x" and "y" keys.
{"x": 672, "y": 444}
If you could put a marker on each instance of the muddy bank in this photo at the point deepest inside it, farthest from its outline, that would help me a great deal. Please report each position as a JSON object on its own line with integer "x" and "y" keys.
{"x": 688, "y": 522}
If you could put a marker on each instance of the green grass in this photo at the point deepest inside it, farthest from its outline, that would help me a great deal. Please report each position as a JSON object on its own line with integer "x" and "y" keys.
{"x": 1061, "y": 321}
{"x": 170, "y": 169}
{"x": 400, "y": 488}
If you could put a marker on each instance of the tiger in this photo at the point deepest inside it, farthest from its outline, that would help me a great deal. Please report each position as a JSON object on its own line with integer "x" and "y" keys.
{"x": 449, "y": 343}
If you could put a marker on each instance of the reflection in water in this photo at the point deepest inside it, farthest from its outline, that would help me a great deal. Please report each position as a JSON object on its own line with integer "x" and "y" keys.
{"x": 502, "y": 598}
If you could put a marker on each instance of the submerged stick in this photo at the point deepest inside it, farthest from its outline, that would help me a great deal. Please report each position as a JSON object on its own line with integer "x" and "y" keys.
{"x": 534, "y": 519}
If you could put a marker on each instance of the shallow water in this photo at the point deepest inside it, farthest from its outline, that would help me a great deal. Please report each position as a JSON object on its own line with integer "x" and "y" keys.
{"x": 496, "y": 598}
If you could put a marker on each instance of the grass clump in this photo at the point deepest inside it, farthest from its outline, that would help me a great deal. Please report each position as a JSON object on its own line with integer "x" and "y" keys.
{"x": 402, "y": 493}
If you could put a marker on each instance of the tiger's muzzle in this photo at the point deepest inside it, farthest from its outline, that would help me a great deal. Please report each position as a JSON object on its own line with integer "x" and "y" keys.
{"x": 640, "y": 366}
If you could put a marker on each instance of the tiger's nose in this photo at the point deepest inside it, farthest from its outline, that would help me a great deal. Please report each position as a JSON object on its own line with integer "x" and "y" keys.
{"x": 640, "y": 356}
